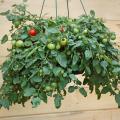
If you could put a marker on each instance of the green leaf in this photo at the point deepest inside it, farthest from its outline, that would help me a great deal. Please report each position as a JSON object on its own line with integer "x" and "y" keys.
{"x": 30, "y": 63}
{"x": 57, "y": 100}
{"x": 92, "y": 13}
{"x": 77, "y": 44}
{"x": 105, "y": 90}
{"x": 28, "y": 43}
{"x": 29, "y": 92}
{"x": 62, "y": 84}
{"x": 117, "y": 99}
{"x": 98, "y": 93}
{"x": 16, "y": 80}
{"x": 57, "y": 71}
{"x": 75, "y": 59}
{"x": 62, "y": 59}
{"x": 104, "y": 64}
{"x": 5, "y": 103}
{"x": 43, "y": 97}
{"x": 35, "y": 101}
{"x": 36, "y": 79}
{"x": 116, "y": 70}
{"x": 5, "y": 13}
{"x": 52, "y": 30}
{"x": 73, "y": 77}
{"x": 83, "y": 91}
{"x": 24, "y": 36}
{"x": 5, "y": 67}
{"x": 97, "y": 66}
{"x": 88, "y": 54}
{"x": 87, "y": 70}
{"x": 46, "y": 70}
{"x": 31, "y": 53}
{"x": 4, "y": 39}
{"x": 71, "y": 89}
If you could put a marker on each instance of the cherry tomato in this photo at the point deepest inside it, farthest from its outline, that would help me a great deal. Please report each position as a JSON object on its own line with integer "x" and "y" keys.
{"x": 13, "y": 43}
{"x": 62, "y": 29}
{"x": 32, "y": 32}
{"x": 113, "y": 36}
{"x": 72, "y": 25}
{"x": 68, "y": 53}
{"x": 62, "y": 72}
{"x": 75, "y": 30}
{"x": 63, "y": 42}
{"x": 40, "y": 72}
{"x": 54, "y": 85}
{"x": 51, "y": 46}
{"x": 58, "y": 46}
{"x": 85, "y": 31}
{"x": 19, "y": 43}
{"x": 104, "y": 40}
{"x": 48, "y": 88}
{"x": 79, "y": 37}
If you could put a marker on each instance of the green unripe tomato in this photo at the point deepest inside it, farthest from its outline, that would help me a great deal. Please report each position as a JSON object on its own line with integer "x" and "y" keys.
{"x": 19, "y": 43}
{"x": 51, "y": 46}
{"x": 72, "y": 25}
{"x": 13, "y": 43}
{"x": 102, "y": 36}
{"x": 62, "y": 72}
{"x": 58, "y": 46}
{"x": 54, "y": 85}
{"x": 40, "y": 72}
{"x": 85, "y": 31}
{"x": 63, "y": 42}
{"x": 13, "y": 50}
{"x": 69, "y": 20}
{"x": 104, "y": 40}
{"x": 75, "y": 30}
{"x": 68, "y": 53}
{"x": 79, "y": 37}
{"x": 113, "y": 36}
{"x": 101, "y": 56}
{"x": 48, "y": 88}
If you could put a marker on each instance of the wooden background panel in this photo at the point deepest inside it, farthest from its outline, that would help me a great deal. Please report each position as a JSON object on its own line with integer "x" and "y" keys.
{"x": 3, "y": 49}
{"x": 77, "y": 115}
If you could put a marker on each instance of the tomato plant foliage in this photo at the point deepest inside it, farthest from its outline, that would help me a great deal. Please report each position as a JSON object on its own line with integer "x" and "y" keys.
{"x": 44, "y": 59}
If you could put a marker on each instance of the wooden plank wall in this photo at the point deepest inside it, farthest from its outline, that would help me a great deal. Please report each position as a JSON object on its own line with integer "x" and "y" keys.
{"x": 75, "y": 106}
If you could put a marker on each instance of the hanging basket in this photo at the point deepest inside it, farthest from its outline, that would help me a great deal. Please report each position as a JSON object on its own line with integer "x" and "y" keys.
{"x": 47, "y": 54}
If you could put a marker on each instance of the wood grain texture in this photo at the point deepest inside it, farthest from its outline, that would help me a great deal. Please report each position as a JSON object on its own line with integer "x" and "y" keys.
{"x": 108, "y": 9}
{"x": 76, "y": 115}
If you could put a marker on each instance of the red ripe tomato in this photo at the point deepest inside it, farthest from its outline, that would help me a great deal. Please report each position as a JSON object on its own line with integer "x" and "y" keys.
{"x": 32, "y": 32}
{"x": 62, "y": 29}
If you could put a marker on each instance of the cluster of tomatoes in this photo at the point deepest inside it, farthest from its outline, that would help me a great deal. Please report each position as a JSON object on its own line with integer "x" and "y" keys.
{"x": 20, "y": 43}
{"x": 32, "y": 32}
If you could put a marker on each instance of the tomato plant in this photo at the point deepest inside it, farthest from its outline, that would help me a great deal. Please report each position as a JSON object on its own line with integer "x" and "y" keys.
{"x": 45, "y": 58}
